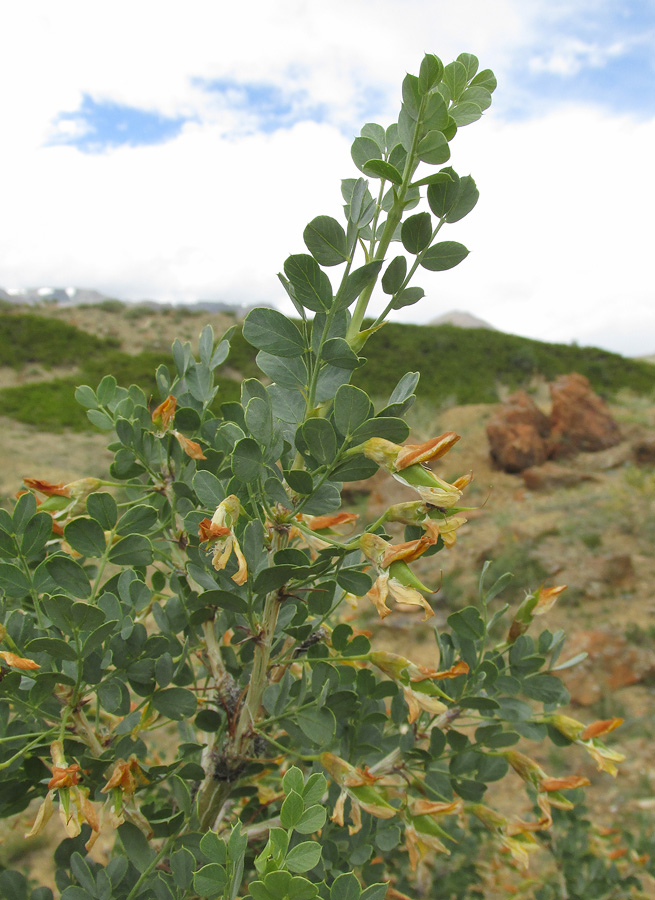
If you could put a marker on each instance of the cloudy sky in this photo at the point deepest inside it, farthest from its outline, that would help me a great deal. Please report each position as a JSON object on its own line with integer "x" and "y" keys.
{"x": 156, "y": 149}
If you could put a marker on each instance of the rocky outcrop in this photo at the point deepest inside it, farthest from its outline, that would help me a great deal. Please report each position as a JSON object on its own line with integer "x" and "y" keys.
{"x": 522, "y": 437}
{"x": 518, "y": 434}
{"x": 580, "y": 420}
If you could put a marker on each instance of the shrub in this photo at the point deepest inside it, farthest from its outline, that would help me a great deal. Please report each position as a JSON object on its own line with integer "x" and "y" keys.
{"x": 176, "y": 666}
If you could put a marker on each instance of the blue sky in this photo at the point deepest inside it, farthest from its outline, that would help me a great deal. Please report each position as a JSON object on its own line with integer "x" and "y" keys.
{"x": 150, "y": 133}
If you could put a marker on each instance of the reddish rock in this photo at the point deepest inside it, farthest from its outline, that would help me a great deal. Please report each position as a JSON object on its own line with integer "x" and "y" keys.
{"x": 612, "y": 662}
{"x": 580, "y": 420}
{"x": 518, "y": 434}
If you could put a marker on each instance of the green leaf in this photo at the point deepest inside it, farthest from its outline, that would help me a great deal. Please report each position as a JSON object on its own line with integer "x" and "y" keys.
{"x": 338, "y": 352}
{"x": 408, "y": 297}
{"x": 208, "y": 489}
{"x": 134, "y": 550}
{"x": 405, "y": 387}
{"x": 136, "y": 846}
{"x": 293, "y": 780}
{"x": 137, "y": 520}
{"x": 100, "y": 419}
{"x": 321, "y": 440}
{"x": 86, "y": 397}
{"x": 53, "y": 647}
{"x": 69, "y": 575}
{"x": 442, "y": 195}
{"x": 485, "y": 79}
{"x": 470, "y": 63}
{"x": 416, "y": 233}
{"x": 467, "y": 623}
{"x": 545, "y": 689}
{"x": 430, "y": 73}
{"x": 247, "y": 461}
{"x": 311, "y": 286}
{"x": 292, "y": 809}
{"x": 394, "y": 275}
{"x": 375, "y": 132}
{"x": 345, "y": 887}
{"x": 303, "y": 857}
{"x": 210, "y": 880}
{"x": 377, "y": 168}
{"x": 102, "y": 507}
{"x": 364, "y": 149}
{"x": 392, "y": 429}
{"x": 326, "y": 241}
{"x": 86, "y": 536}
{"x": 456, "y": 79}
{"x": 268, "y": 329}
{"x": 352, "y": 408}
{"x": 175, "y": 703}
{"x": 465, "y": 114}
{"x": 319, "y": 725}
{"x": 411, "y": 95}
{"x": 466, "y": 199}
{"x": 354, "y": 581}
{"x": 272, "y": 578}
{"x": 114, "y": 697}
{"x": 312, "y": 820}
{"x": 435, "y": 117}
{"x": 183, "y": 861}
{"x": 213, "y": 847}
{"x": 375, "y": 891}
{"x": 289, "y": 373}
{"x": 24, "y": 511}
{"x": 36, "y": 533}
{"x": 356, "y": 282}
{"x": 433, "y": 148}
{"x": 315, "y": 788}
{"x": 444, "y": 255}
{"x": 478, "y": 95}
{"x": 259, "y": 420}
{"x": 224, "y": 600}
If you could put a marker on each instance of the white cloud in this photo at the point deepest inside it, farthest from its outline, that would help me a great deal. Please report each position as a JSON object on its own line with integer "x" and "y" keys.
{"x": 559, "y": 247}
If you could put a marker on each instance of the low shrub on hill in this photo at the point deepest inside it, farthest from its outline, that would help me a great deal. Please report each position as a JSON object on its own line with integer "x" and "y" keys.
{"x": 26, "y": 338}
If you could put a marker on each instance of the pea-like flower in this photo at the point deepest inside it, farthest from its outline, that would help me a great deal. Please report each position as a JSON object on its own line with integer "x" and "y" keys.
{"x": 587, "y": 736}
{"x": 395, "y": 578}
{"x": 121, "y": 787}
{"x": 406, "y": 464}
{"x": 359, "y": 785}
{"x": 74, "y": 804}
{"x": 434, "y": 522}
{"x": 219, "y": 530}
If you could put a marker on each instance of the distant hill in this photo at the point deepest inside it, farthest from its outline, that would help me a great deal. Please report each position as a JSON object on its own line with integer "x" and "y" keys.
{"x": 457, "y": 365}
{"x": 461, "y": 320}
{"x": 72, "y": 296}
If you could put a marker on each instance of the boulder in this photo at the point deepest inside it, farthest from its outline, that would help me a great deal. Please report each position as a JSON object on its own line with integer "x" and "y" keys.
{"x": 580, "y": 420}
{"x": 518, "y": 434}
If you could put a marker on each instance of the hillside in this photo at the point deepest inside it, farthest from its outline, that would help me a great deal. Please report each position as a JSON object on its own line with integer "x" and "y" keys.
{"x": 46, "y": 355}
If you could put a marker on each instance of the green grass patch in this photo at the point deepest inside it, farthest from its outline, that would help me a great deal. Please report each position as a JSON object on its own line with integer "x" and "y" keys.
{"x": 466, "y": 365}
{"x": 27, "y": 338}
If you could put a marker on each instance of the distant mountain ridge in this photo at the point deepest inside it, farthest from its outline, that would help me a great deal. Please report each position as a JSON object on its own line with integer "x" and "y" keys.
{"x": 461, "y": 320}
{"x": 85, "y": 296}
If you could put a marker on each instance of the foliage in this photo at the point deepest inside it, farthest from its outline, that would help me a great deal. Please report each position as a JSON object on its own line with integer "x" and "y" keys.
{"x": 26, "y": 338}
{"x": 177, "y": 667}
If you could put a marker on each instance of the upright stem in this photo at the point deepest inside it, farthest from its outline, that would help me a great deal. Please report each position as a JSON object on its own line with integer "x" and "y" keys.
{"x": 259, "y": 676}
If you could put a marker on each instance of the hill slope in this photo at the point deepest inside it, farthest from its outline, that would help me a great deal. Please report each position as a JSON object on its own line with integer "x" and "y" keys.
{"x": 456, "y": 365}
